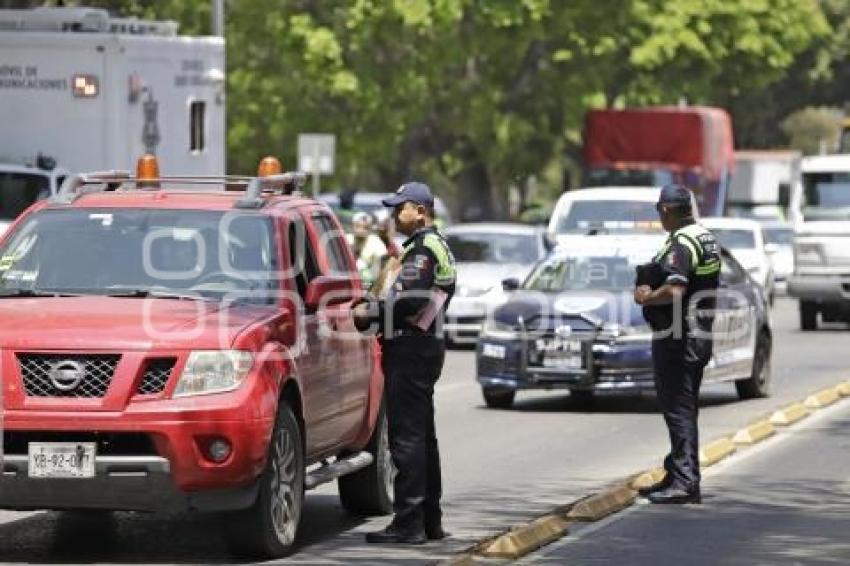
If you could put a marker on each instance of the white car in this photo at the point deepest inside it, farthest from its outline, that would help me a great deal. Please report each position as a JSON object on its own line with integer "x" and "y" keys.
{"x": 745, "y": 239}
{"x": 605, "y": 210}
{"x": 486, "y": 254}
{"x": 779, "y": 243}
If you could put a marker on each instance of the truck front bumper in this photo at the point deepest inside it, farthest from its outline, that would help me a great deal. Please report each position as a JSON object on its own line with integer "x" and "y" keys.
{"x": 822, "y": 288}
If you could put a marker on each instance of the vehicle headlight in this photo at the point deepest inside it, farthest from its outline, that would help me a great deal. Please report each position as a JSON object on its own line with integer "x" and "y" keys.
{"x": 623, "y": 333}
{"x": 495, "y": 329}
{"x": 808, "y": 253}
{"x": 213, "y": 371}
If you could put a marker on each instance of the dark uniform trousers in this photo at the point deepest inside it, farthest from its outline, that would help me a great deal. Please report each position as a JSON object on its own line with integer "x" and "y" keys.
{"x": 412, "y": 366}
{"x": 679, "y": 365}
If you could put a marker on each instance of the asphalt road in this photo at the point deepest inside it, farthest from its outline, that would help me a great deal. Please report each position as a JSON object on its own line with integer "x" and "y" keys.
{"x": 500, "y": 467}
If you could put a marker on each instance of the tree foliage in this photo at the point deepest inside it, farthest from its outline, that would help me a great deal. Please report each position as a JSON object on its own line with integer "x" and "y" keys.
{"x": 478, "y": 95}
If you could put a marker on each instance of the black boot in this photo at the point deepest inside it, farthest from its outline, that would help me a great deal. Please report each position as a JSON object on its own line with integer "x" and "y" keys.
{"x": 675, "y": 495}
{"x": 395, "y": 535}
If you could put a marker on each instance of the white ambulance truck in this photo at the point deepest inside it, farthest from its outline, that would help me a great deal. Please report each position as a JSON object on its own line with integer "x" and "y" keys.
{"x": 88, "y": 91}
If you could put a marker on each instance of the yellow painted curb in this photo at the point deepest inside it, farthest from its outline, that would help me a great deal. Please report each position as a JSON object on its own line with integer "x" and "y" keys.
{"x": 602, "y": 504}
{"x": 789, "y": 415}
{"x": 459, "y": 560}
{"x": 522, "y": 540}
{"x": 822, "y": 398}
{"x": 756, "y": 432}
{"x": 844, "y": 389}
{"x": 715, "y": 451}
{"x": 646, "y": 479}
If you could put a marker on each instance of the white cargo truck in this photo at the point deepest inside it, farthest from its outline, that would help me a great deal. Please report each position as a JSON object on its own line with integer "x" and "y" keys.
{"x": 94, "y": 92}
{"x": 820, "y": 206}
{"x": 761, "y": 184}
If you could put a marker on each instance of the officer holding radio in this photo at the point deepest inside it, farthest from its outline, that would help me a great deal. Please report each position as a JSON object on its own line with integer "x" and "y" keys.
{"x": 677, "y": 291}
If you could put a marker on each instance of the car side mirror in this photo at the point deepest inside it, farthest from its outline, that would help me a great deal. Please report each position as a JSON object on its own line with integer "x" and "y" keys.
{"x": 510, "y": 284}
{"x": 771, "y": 249}
{"x": 328, "y": 290}
{"x": 549, "y": 241}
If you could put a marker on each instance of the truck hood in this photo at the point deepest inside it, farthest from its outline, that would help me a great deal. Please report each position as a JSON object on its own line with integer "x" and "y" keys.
{"x": 121, "y": 324}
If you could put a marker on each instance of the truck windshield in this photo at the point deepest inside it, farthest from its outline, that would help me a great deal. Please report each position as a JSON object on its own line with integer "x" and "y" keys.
{"x": 134, "y": 252}
{"x": 495, "y": 248}
{"x": 608, "y": 215}
{"x": 826, "y": 195}
{"x": 582, "y": 273}
{"x": 19, "y": 190}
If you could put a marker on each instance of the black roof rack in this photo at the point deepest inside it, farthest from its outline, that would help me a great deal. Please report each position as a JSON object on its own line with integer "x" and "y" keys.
{"x": 78, "y": 185}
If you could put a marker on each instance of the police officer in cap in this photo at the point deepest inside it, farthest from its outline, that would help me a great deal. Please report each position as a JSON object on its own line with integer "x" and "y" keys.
{"x": 413, "y": 354}
{"x": 689, "y": 262}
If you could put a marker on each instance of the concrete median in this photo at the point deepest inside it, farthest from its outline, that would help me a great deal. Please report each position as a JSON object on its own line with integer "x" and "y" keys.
{"x": 822, "y": 398}
{"x": 715, "y": 451}
{"x": 754, "y": 433}
{"x": 844, "y": 389}
{"x": 602, "y": 504}
{"x": 518, "y": 542}
{"x": 789, "y": 415}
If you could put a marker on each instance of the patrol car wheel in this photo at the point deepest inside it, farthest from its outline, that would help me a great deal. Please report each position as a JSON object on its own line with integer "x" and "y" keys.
{"x": 370, "y": 491}
{"x": 758, "y": 384}
{"x": 269, "y": 527}
{"x": 498, "y": 398}
{"x": 808, "y": 315}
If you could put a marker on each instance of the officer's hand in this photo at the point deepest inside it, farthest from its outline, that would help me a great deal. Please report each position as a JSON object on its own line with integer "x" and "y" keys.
{"x": 642, "y": 293}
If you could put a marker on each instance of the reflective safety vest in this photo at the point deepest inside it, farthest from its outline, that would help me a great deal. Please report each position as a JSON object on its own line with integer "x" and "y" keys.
{"x": 445, "y": 271}
{"x": 705, "y": 253}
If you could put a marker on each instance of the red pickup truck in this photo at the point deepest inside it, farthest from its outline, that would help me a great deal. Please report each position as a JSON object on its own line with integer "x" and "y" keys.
{"x": 194, "y": 349}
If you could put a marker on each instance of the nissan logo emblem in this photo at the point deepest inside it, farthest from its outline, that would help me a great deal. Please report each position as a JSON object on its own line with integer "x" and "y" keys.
{"x": 66, "y": 375}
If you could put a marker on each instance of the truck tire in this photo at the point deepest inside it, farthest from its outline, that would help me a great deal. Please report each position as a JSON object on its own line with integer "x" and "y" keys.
{"x": 268, "y": 529}
{"x": 498, "y": 398}
{"x": 808, "y": 315}
{"x": 758, "y": 384}
{"x": 583, "y": 397}
{"x": 369, "y": 491}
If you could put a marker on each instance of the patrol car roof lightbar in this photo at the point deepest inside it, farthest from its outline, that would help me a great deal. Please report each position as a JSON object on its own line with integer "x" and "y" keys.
{"x": 286, "y": 182}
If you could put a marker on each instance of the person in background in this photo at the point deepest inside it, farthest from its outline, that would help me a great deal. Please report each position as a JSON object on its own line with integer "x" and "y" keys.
{"x": 368, "y": 248}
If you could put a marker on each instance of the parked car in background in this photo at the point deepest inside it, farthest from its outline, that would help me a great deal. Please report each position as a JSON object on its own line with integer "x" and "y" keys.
{"x": 605, "y": 210}
{"x": 487, "y": 253}
{"x": 573, "y": 324}
{"x": 745, "y": 239}
{"x": 779, "y": 244}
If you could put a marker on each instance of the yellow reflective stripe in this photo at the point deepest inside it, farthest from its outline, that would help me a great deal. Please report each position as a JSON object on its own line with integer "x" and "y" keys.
{"x": 445, "y": 272}
{"x": 708, "y": 269}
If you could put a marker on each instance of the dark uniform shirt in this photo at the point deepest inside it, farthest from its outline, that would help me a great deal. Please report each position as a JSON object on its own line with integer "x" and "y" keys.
{"x": 427, "y": 265}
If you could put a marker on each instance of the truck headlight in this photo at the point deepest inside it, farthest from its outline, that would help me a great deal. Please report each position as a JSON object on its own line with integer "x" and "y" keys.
{"x": 808, "y": 253}
{"x": 213, "y": 371}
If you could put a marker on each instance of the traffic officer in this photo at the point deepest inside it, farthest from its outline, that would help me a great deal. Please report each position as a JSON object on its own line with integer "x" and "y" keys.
{"x": 689, "y": 262}
{"x": 413, "y": 354}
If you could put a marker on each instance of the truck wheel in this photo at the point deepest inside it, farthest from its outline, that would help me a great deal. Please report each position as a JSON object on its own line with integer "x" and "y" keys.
{"x": 370, "y": 491}
{"x": 808, "y": 315}
{"x": 269, "y": 527}
{"x": 758, "y": 384}
{"x": 582, "y": 396}
{"x": 498, "y": 398}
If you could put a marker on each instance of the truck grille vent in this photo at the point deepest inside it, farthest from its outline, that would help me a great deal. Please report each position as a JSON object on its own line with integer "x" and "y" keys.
{"x": 157, "y": 373}
{"x": 67, "y": 375}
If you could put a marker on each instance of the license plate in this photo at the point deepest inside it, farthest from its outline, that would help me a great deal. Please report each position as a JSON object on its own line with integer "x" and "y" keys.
{"x": 559, "y": 345}
{"x": 562, "y": 361}
{"x": 61, "y": 459}
{"x": 493, "y": 351}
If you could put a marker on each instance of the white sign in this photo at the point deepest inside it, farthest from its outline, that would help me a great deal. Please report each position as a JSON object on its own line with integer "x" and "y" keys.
{"x": 316, "y": 153}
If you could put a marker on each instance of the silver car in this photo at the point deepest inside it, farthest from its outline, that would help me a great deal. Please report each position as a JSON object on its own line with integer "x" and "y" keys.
{"x": 487, "y": 253}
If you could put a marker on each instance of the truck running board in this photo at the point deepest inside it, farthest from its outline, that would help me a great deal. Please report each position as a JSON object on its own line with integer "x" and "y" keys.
{"x": 341, "y": 467}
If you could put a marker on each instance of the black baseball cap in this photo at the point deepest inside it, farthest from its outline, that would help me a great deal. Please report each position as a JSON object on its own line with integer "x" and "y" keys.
{"x": 413, "y": 191}
{"x": 675, "y": 195}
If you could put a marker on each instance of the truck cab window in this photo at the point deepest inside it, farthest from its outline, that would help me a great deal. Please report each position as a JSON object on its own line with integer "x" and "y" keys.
{"x": 301, "y": 257}
{"x": 196, "y": 125}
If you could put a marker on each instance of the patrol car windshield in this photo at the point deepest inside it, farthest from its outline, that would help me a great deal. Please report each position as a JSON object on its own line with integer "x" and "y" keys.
{"x": 606, "y": 216}
{"x": 779, "y": 236}
{"x": 19, "y": 190}
{"x": 583, "y": 273}
{"x": 487, "y": 247}
{"x": 134, "y": 252}
{"x": 735, "y": 239}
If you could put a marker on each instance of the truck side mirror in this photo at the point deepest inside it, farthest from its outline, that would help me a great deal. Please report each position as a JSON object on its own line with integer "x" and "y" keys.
{"x": 549, "y": 241}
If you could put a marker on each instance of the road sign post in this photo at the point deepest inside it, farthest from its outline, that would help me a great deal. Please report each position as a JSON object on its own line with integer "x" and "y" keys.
{"x": 316, "y": 156}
